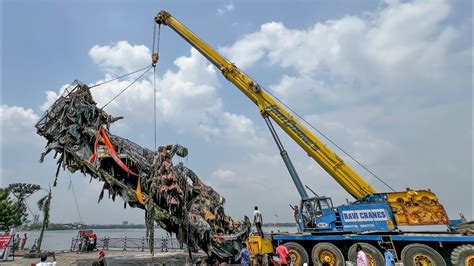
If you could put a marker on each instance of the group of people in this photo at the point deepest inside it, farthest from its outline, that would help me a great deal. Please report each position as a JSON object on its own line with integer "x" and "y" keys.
{"x": 87, "y": 242}
{"x": 281, "y": 251}
{"x": 20, "y": 242}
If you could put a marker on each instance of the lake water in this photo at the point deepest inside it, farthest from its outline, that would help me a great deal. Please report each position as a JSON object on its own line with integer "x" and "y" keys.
{"x": 61, "y": 239}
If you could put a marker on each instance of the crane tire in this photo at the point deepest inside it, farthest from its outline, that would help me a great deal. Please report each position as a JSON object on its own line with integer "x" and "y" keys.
{"x": 327, "y": 252}
{"x": 463, "y": 255}
{"x": 419, "y": 254}
{"x": 297, "y": 253}
{"x": 374, "y": 256}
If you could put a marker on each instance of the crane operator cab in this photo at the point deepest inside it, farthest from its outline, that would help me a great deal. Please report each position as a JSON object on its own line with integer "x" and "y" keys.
{"x": 317, "y": 213}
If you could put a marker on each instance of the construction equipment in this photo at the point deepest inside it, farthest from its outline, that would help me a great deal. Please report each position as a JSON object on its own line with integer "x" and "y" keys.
{"x": 331, "y": 234}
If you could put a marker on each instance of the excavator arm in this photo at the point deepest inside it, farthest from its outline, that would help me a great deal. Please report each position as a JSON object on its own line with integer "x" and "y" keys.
{"x": 269, "y": 107}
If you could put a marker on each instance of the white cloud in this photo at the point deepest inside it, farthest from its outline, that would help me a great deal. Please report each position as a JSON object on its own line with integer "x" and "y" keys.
{"x": 121, "y": 57}
{"x": 372, "y": 82}
{"x": 364, "y": 79}
{"x": 17, "y": 124}
{"x": 388, "y": 52}
{"x": 186, "y": 98}
{"x": 224, "y": 175}
{"x": 52, "y": 96}
{"x": 226, "y": 9}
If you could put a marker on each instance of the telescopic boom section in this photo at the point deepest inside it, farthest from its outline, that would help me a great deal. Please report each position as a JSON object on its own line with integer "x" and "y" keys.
{"x": 269, "y": 107}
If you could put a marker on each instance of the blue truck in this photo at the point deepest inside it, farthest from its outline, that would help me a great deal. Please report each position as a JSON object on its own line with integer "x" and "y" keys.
{"x": 331, "y": 234}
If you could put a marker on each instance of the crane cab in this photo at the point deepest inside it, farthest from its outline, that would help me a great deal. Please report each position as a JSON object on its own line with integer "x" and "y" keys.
{"x": 318, "y": 214}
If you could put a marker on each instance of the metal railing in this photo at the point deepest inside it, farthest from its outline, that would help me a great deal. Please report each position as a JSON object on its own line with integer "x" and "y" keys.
{"x": 163, "y": 244}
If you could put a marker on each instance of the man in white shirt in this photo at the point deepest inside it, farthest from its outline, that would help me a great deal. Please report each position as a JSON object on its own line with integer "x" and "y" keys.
{"x": 258, "y": 221}
{"x": 43, "y": 262}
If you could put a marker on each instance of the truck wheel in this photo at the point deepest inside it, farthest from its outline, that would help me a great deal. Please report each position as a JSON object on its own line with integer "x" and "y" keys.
{"x": 374, "y": 256}
{"x": 419, "y": 254}
{"x": 327, "y": 252}
{"x": 463, "y": 255}
{"x": 297, "y": 253}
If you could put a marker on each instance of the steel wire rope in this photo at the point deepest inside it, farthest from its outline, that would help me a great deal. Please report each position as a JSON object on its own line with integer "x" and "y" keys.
{"x": 321, "y": 133}
{"x": 28, "y": 207}
{"x": 119, "y": 77}
{"x": 157, "y": 39}
{"x": 330, "y": 140}
{"x": 146, "y": 71}
{"x": 74, "y": 195}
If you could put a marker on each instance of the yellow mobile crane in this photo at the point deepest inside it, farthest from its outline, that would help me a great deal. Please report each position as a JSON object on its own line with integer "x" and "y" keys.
{"x": 374, "y": 214}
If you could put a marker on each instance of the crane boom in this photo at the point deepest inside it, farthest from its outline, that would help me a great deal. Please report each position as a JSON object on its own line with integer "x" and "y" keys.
{"x": 410, "y": 207}
{"x": 268, "y": 106}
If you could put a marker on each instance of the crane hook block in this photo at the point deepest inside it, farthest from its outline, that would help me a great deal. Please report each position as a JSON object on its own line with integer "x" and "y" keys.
{"x": 154, "y": 59}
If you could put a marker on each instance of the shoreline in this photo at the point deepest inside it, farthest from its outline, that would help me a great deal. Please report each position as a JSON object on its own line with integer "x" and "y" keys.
{"x": 113, "y": 257}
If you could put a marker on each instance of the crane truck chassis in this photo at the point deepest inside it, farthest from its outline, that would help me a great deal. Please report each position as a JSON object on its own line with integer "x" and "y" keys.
{"x": 331, "y": 234}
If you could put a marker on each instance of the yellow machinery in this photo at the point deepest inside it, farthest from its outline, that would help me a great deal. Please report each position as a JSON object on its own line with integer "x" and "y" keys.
{"x": 410, "y": 207}
{"x": 259, "y": 246}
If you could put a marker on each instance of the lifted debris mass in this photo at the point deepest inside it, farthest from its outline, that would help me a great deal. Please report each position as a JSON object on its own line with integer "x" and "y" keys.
{"x": 172, "y": 195}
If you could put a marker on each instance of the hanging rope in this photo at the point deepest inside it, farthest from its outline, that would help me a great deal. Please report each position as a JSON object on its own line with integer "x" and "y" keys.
{"x": 147, "y": 69}
{"x": 154, "y": 104}
{"x": 154, "y": 58}
{"x": 331, "y": 141}
{"x": 74, "y": 194}
{"x": 110, "y": 80}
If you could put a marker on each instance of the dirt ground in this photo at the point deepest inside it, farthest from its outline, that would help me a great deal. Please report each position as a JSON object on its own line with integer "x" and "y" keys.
{"x": 113, "y": 258}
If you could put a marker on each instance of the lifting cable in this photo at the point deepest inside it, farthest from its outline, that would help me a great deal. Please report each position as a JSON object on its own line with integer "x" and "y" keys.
{"x": 110, "y": 80}
{"x": 155, "y": 56}
{"x": 74, "y": 194}
{"x": 330, "y": 140}
{"x": 146, "y": 70}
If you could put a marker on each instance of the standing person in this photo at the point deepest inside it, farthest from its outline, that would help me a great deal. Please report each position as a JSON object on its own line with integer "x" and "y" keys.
{"x": 244, "y": 256}
{"x": 296, "y": 214}
{"x": 17, "y": 242}
{"x": 388, "y": 256}
{"x": 361, "y": 257}
{"x": 282, "y": 253}
{"x": 258, "y": 220}
{"x": 23, "y": 241}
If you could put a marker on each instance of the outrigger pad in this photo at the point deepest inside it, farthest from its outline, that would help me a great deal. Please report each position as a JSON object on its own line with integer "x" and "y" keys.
{"x": 173, "y": 196}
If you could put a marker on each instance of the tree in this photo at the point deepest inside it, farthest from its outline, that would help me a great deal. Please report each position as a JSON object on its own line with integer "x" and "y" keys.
{"x": 43, "y": 205}
{"x": 12, "y": 214}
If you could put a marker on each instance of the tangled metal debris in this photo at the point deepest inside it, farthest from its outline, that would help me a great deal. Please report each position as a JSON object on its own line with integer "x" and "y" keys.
{"x": 172, "y": 195}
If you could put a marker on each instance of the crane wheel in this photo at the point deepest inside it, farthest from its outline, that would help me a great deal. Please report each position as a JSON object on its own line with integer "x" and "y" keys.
{"x": 419, "y": 254}
{"x": 374, "y": 256}
{"x": 297, "y": 253}
{"x": 327, "y": 253}
{"x": 463, "y": 255}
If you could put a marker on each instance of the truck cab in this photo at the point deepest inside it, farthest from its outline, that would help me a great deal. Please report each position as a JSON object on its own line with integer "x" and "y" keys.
{"x": 318, "y": 213}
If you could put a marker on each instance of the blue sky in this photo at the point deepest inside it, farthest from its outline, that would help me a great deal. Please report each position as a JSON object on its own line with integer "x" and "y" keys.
{"x": 389, "y": 81}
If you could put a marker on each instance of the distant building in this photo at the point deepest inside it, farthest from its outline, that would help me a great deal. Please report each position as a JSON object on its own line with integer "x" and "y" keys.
{"x": 125, "y": 222}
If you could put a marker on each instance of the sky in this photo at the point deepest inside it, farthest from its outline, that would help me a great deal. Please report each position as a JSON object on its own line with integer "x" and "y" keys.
{"x": 389, "y": 81}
